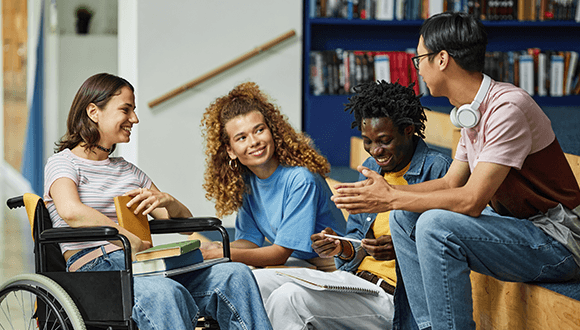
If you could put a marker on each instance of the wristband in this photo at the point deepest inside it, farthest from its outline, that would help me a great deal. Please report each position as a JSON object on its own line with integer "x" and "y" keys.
{"x": 341, "y": 256}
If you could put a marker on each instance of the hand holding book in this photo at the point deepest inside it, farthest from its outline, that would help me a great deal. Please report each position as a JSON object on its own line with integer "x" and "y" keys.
{"x": 146, "y": 201}
{"x": 172, "y": 257}
{"x": 135, "y": 223}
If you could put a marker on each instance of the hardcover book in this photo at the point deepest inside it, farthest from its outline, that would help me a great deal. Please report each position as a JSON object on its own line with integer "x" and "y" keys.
{"x": 169, "y": 263}
{"x": 557, "y": 75}
{"x": 135, "y": 223}
{"x": 168, "y": 250}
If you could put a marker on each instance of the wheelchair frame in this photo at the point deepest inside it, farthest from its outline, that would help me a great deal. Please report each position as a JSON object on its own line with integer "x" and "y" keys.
{"x": 74, "y": 300}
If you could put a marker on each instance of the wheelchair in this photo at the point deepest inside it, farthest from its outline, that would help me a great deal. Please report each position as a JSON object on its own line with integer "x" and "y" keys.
{"x": 52, "y": 298}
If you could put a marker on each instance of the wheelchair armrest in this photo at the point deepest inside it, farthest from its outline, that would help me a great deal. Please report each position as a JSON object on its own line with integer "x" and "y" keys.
{"x": 177, "y": 225}
{"x": 74, "y": 234}
{"x": 66, "y": 235}
{"x": 197, "y": 224}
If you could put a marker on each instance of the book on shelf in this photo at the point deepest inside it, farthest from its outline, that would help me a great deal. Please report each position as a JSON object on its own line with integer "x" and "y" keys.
{"x": 400, "y": 10}
{"x": 137, "y": 224}
{"x": 557, "y": 75}
{"x": 167, "y": 263}
{"x": 336, "y": 72}
{"x": 385, "y": 10}
{"x": 382, "y": 67}
{"x": 576, "y": 89}
{"x": 168, "y": 250}
{"x": 521, "y": 10}
{"x": 549, "y": 70}
{"x": 435, "y": 7}
{"x": 527, "y": 73}
{"x": 543, "y": 69}
{"x": 566, "y": 66}
{"x": 534, "y": 53}
{"x": 316, "y": 75}
{"x": 329, "y": 282}
{"x": 571, "y": 72}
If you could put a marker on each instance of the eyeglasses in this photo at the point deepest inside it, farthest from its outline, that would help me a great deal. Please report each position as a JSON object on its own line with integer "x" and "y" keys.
{"x": 416, "y": 59}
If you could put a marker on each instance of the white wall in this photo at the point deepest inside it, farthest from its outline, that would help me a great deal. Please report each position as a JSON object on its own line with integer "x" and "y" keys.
{"x": 71, "y": 58}
{"x": 179, "y": 40}
{"x": 103, "y": 21}
{"x": 80, "y": 57}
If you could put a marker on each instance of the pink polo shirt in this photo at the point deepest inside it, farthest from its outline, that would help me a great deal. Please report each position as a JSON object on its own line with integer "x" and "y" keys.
{"x": 514, "y": 131}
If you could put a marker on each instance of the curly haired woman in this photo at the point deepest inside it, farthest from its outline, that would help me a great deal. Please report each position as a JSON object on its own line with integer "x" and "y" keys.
{"x": 258, "y": 166}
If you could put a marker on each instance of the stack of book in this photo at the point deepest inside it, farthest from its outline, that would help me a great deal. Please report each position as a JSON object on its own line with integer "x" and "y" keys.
{"x": 162, "y": 258}
{"x": 165, "y": 260}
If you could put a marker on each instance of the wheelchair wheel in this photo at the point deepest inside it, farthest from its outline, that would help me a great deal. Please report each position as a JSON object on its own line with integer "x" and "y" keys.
{"x": 33, "y": 301}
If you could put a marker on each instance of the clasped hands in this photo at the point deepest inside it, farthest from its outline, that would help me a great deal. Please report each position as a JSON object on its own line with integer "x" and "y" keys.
{"x": 379, "y": 248}
{"x": 369, "y": 196}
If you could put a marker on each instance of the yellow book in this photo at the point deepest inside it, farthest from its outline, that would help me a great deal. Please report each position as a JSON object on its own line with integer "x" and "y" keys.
{"x": 137, "y": 224}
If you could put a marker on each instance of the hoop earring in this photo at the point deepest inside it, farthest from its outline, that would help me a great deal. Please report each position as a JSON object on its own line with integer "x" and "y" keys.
{"x": 233, "y": 164}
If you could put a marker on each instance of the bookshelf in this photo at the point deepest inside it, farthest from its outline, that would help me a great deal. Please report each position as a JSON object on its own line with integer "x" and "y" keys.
{"x": 324, "y": 119}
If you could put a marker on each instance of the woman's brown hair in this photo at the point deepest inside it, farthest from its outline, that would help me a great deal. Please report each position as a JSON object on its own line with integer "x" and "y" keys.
{"x": 224, "y": 178}
{"x": 97, "y": 89}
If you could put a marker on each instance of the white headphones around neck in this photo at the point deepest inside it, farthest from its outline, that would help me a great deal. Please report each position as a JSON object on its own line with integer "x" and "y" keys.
{"x": 467, "y": 116}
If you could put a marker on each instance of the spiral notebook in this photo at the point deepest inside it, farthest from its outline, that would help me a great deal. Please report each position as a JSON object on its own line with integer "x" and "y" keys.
{"x": 327, "y": 284}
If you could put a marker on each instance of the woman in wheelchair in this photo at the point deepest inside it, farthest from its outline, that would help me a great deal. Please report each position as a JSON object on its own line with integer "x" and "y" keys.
{"x": 81, "y": 180}
{"x": 271, "y": 175}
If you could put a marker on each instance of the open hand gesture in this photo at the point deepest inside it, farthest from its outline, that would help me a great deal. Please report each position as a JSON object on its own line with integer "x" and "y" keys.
{"x": 369, "y": 196}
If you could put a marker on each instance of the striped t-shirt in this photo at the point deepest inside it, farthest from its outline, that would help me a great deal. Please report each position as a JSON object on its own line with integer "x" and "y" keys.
{"x": 98, "y": 182}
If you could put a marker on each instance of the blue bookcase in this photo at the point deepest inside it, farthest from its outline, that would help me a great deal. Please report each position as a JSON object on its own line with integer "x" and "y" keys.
{"x": 325, "y": 120}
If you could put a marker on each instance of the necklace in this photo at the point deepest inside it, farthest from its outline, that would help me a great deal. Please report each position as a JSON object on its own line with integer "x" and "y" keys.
{"x": 107, "y": 150}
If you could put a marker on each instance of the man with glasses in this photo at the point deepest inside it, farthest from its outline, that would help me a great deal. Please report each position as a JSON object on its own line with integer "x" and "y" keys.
{"x": 508, "y": 206}
{"x": 417, "y": 59}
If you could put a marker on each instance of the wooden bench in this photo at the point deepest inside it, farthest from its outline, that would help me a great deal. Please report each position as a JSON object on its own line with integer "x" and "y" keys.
{"x": 497, "y": 304}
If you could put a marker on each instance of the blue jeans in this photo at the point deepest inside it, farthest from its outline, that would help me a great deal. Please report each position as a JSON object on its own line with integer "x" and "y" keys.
{"x": 437, "y": 249}
{"x": 227, "y": 292}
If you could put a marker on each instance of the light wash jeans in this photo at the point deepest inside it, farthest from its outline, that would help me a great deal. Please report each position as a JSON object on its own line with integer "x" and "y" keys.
{"x": 437, "y": 249}
{"x": 227, "y": 292}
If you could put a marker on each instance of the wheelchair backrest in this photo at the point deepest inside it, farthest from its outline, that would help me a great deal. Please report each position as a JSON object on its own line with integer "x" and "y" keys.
{"x": 49, "y": 256}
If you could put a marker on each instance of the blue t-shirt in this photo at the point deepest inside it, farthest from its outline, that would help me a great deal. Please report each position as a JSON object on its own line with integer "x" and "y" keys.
{"x": 287, "y": 208}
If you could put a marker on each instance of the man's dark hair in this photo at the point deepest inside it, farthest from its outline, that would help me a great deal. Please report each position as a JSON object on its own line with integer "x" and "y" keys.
{"x": 391, "y": 100}
{"x": 463, "y": 36}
